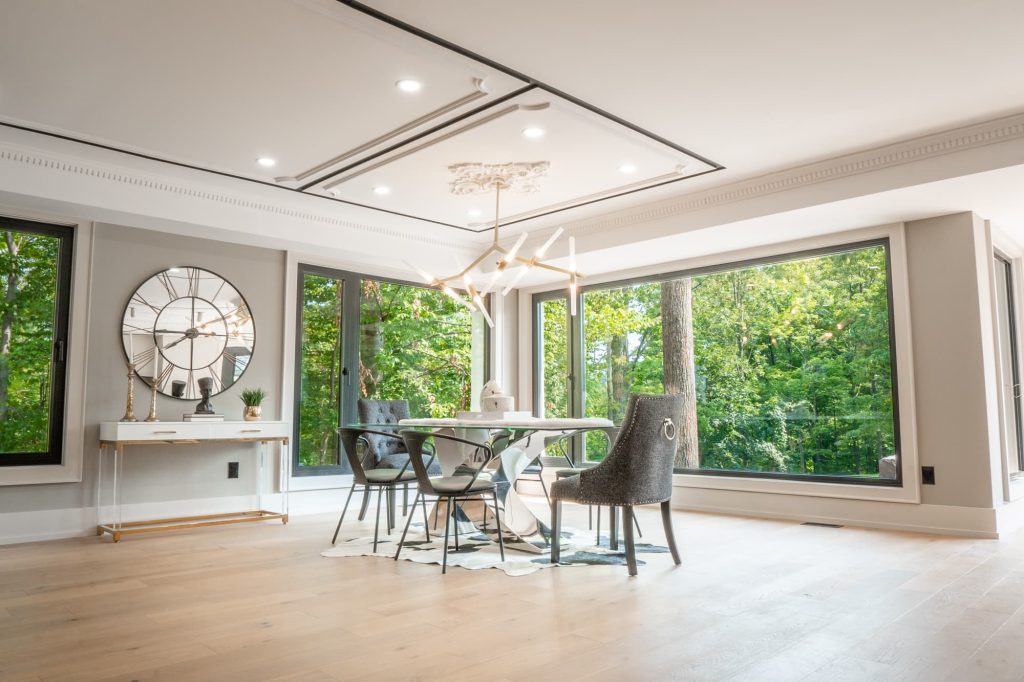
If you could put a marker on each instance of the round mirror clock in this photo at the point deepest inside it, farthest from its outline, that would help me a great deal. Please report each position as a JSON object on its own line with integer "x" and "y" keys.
{"x": 186, "y": 324}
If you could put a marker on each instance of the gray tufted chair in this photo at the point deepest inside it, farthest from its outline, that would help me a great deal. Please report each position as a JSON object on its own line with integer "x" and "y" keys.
{"x": 638, "y": 470}
{"x": 380, "y": 451}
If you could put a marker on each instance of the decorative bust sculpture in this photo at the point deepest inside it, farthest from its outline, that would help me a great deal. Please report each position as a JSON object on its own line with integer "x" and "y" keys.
{"x": 492, "y": 399}
{"x": 205, "y": 388}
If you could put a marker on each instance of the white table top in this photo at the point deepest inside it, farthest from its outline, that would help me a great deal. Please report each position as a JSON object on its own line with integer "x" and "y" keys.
{"x": 532, "y": 423}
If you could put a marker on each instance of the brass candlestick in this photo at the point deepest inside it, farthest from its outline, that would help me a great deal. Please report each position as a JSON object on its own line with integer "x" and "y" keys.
{"x": 156, "y": 381}
{"x": 129, "y": 410}
{"x": 152, "y": 404}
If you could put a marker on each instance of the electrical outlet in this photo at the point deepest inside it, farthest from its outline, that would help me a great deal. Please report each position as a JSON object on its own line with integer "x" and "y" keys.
{"x": 232, "y": 469}
{"x": 928, "y": 475}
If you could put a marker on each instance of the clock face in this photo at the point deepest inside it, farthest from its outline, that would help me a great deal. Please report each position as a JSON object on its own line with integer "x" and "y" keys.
{"x": 186, "y": 324}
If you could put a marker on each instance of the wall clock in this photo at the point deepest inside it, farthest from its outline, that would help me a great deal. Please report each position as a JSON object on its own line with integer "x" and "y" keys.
{"x": 185, "y": 324}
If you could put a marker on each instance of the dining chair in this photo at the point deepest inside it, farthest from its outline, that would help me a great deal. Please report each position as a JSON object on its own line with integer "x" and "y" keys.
{"x": 637, "y": 470}
{"x": 451, "y": 489}
{"x": 382, "y": 480}
{"x": 377, "y": 451}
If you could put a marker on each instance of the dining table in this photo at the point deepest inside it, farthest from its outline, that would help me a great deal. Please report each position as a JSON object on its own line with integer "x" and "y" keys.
{"x": 515, "y": 444}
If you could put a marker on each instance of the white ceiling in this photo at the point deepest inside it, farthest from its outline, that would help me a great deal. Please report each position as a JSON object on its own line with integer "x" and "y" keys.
{"x": 757, "y": 87}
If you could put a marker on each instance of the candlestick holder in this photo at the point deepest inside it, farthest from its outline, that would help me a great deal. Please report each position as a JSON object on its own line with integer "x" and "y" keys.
{"x": 129, "y": 410}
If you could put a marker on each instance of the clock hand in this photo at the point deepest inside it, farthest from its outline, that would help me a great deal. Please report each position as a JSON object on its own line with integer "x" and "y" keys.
{"x": 175, "y": 343}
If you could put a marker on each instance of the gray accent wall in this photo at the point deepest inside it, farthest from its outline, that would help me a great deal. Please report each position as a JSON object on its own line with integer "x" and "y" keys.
{"x": 122, "y": 258}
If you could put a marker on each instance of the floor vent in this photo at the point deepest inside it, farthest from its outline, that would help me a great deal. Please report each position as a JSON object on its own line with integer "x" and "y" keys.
{"x": 822, "y": 525}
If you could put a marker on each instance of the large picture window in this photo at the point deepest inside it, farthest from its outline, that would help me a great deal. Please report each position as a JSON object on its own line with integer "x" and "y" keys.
{"x": 360, "y": 337}
{"x": 786, "y": 366}
{"x": 34, "y": 307}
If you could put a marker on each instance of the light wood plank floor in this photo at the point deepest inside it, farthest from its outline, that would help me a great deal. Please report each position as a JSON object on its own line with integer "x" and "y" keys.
{"x": 754, "y": 600}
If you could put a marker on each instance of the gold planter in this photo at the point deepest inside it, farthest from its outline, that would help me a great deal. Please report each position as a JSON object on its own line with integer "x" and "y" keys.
{"x": 253, "y": 413}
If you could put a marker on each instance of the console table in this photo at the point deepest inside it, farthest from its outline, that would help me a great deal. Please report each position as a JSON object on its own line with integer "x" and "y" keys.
{"x": 116, "y": 436}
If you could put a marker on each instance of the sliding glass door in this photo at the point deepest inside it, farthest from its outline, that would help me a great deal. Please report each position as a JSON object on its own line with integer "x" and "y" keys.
{"x": 1010, "y": 366}
{"x": 361, "y": 337}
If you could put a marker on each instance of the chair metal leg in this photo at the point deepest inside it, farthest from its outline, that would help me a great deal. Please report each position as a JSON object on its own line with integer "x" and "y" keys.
{"x": 636, "y": 523}
{"x": 544, "y": 487}
{"x": 613, "y": 527}
{"x": 365, "y": 505}
{"x": 343, "y": 510}
{"x": 405, "y": 500}
{"x": 597, "y": 533}
{"x": 497, "y": 524}
{"x": 426, "y": 523}
{"x": 447, "y": 523}
{"x": 556, "y": 532}
{"x": 392, "y": 510}
{"x": 627, "y": 528}
{"x": 408, "y": 522}
{"x": 455, "y": 520}
{"x": 666, "y": 520}
{"x": 376, "y": 526}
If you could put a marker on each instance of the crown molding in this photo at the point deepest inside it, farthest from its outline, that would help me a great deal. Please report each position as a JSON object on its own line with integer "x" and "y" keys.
{"x": 998, "y": 131}
{"x": 185, "y": 189}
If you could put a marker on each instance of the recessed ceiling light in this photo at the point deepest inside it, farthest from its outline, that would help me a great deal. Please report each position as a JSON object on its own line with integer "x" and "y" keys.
{"x": 266, "y": 162}
{"x": 381, "y": 190}
{"x": 627, "y": 168}
{"x": 474, "y": 212}
{"x": 533, "y": 132}
{"x": 409, "y": 85}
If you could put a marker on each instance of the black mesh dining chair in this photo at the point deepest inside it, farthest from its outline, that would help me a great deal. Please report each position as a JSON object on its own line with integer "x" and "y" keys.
{"x": 382, "y": 480}
{"x": 637, "y": 471}
{"x": 473, "y": 484}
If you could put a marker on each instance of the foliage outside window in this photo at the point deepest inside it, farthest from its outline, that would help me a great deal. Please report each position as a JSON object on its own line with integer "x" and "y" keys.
{"x": 786, "y": 366}
{"x": 320, "y": 366}
{"x": 417, "y": 344}
{"x": 402, "y": 342}
{"x": 36, "y": 264}
{"x": 552, "y": 349}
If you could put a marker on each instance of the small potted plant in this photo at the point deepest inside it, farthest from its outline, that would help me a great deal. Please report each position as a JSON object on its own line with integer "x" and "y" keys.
{"x": 252, "y": 398}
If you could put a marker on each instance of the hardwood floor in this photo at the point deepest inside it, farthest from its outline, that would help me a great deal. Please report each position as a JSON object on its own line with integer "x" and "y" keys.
{"x": 753, "y": 600}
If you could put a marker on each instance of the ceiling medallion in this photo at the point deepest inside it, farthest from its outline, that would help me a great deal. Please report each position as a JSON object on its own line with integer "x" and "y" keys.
{"x": 479, "y": 178}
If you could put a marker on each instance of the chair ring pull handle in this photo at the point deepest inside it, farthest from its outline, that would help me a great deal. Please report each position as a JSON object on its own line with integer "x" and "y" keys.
{"x": 668, "y": 429}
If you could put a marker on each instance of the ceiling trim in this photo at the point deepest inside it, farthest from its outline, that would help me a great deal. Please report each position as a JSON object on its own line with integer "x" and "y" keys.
{"x": 121, "y": 176}
{"x": 500, "y": 113}
{"x": 478, "y": 92}
{"x": 998, "y": 131}
{"x": 498, "y": 66}
{"x": 419, "y": 136}
{"x": 224, "y": 174}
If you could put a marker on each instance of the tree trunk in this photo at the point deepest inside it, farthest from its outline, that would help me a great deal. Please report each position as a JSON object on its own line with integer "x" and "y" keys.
{"x": 680, "y": 374}
{"x": 371, "y": 342}
{"x": 618, "y": 352}
{"x": 7, "y": 324}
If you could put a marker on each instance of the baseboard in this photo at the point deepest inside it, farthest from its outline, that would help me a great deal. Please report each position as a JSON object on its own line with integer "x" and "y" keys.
{"x": 54, "y": 524}
{"x": 920, "y": 518}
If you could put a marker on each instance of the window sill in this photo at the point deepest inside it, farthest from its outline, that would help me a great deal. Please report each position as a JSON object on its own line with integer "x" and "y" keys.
{"x": 40, "y": 474}
{"x": 909, "y": 492}
{"x": 325, "y": 482}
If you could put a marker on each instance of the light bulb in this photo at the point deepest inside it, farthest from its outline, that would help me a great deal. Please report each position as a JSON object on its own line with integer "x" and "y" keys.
{"x": 551, "y": 240}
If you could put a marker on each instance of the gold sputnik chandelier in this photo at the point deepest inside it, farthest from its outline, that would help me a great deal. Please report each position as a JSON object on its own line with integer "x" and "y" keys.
{"x": 480, "y": 178}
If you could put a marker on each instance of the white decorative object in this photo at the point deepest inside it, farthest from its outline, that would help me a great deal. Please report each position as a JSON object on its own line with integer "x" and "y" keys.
{"x": 493, "y": 399}
{"x": 481, "y": 178}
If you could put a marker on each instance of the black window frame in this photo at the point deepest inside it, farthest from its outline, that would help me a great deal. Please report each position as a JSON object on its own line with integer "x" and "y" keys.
{"x": 576, "y": 353}
{"x": 349, "y": 333}
{"x": 65, "y": 235}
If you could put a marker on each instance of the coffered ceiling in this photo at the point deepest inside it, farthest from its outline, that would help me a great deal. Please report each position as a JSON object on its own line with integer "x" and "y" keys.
{"x": 319, "y": 97}
{"x": 654, "y": 115}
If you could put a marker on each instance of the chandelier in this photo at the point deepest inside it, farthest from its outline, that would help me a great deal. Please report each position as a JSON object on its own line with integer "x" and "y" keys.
{"x": 480, "y": 178}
